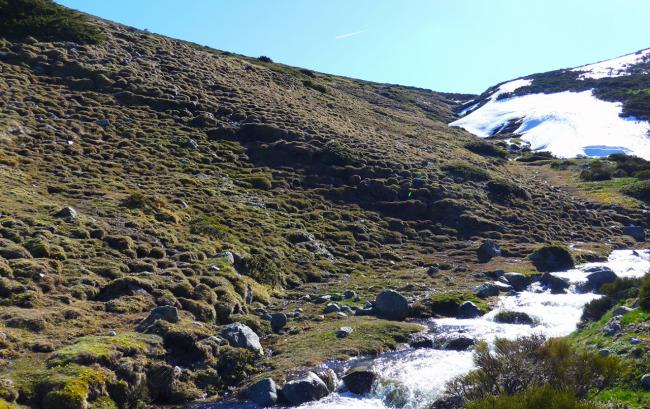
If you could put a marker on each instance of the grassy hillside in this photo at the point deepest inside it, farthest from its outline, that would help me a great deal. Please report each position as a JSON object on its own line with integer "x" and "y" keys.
{"x": 229, "y": 187}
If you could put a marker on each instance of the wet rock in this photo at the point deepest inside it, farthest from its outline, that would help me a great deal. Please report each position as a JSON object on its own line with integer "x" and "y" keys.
{"x": 359, "y": 380}
{"x": 469, "y": 310}
{"x": 307, "y": 389}
{"x": 598, "y": 276}
{"x": 453, "y": 402}
{"x": 487, "y": 250}
{"x": 67, "y": 213}
{"x": 635, "y": 341}
{"x": 241, "y": 336}
{"x": 552, "y": 258}
{"x": 278, "y": 321}
{"x": 503, "y": 287}
{"x": 486, "y": 290}
{"x": 343, "y": 332}
{"x": 636, "y": 232}
{"x": 518, "y": 281}
{"x": 391, "y": 305}
{"x": 329, "y": 377}
{"x": 556, "y": 284}
{"x": 263, "y": 392}
{"x": 164, "y": 312}
{"x": 514, "y": 317}
{"x": 421, "y": 341}
{"x": 460, "y": 343}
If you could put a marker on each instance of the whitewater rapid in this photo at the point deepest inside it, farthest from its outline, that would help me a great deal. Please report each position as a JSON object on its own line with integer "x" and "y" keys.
{"x": 423, "y": 373}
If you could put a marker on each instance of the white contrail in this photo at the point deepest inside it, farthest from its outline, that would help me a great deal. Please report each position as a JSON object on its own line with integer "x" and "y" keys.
{"x": 348, "y": 35}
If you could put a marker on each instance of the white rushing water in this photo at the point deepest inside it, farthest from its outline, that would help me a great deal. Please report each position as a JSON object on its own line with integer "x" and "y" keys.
{"x": 423, "y": 373}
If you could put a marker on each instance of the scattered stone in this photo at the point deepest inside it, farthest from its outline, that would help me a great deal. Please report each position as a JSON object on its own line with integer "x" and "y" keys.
{"x": 349, "y": 294}
{"x": 635, "y": 341}
{"x": 164, "y": 312}
{"x": 336, "y": 297}
{"x": 112, "y": 334}
{"x": 263, "y": 392}
{"x": 518, "y": 281}
{"x": 556, "y": 284}
{"x": 241, "y": 336}
{"x": 278, "y": 321}
{"x": 613, "y": 326}
{"x": 392, "y": 305}
{"x": 460, "y": 343}
{"x": 228, "y": 257}
{"x": 487, "y": 250}
{"x": 328, "y": 376}
{"x": 104, "y": 123}
{"x": 503, "y": 287}
{"x": 67, "y": 213}
{"x": 343, "y": 332}
{"x": 341, "y": 314}
{"x": 486, "y": 290}
{"x": 421, "y": 341}
{"x": 645, "y": 381}
{"x": 359, "y": 380}
{"x": 621, "y": 310}
{"x": 603, "y": 352}
{"x": 636, "y": 232}
{"x": 323, "y": 299}
{"x": 308, "y": 389}
{"x": 469, "y": 310}
{"x": 331, "y": 307}
{"x": 433, "y": 271}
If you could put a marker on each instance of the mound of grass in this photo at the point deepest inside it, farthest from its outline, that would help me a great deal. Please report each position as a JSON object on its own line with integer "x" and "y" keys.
{"x": 486, "y": 149}
{"x": 638, "y": 190}
{"x": 47, "y": 21}
{"x": 465, "y": 171}
{"x": 447, "y": 304}
{"x": 534, "y": 398}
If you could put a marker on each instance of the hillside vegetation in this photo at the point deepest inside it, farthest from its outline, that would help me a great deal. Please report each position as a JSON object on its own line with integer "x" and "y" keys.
{"x": 141, "y": 171}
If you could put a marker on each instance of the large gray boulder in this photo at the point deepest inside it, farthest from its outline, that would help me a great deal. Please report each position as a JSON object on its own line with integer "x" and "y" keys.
{"x": 391, "y": 305}
{"x": 307, "y": 389}
{"x": 263, "y": 392}
{"x": 487, "y": 250}
{"x": 241, "y": 336}
{"x": 359, "y": 380}
{"x": 164, "y": 312}
{"x": 636, "y": 232}
{"x": 278, "y": 321}
{"x": 645, "y": 381}
{"x": 598, "y": 276}
{"x": 486, "y": 290}
{"x": 554, "y": 283}
{"x": 469, "y": 310}
{"x": 552, "y": 258}
{"x": 518, "y": 281}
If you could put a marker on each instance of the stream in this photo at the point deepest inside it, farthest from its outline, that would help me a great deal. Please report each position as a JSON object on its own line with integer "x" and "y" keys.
{"x": 424, "y": 372}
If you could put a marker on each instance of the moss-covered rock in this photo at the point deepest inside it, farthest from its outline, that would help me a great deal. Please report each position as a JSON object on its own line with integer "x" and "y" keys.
{"x": 553, "y": 258}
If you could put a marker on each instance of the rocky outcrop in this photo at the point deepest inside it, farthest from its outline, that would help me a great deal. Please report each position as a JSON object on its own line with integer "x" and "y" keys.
{"x": 242, "y": 336}
{"x": 390, "y": 304}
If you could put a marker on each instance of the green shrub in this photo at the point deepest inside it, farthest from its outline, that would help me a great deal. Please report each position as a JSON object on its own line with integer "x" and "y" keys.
{"x": 643, "y": 174}
{"x": 630, "y": 164}
{"x": 466, "y": 171}
{"x": 638, "y": 190}
{"x": 598, "y": 171}
{"x": 514, "y": 366}
{"x": 535, "y": 398}
{"x": 595, "y": 309}
{"x": 644, "y": 293}
{"x": 613, "y": 293}
{"x": 505, "y": 191}
{"x": 259, "y": 181}
{"x": 264, "y": 58}
{"x": 486, "y": 149}
{"x": 315, "y": 86}
{"x": 47, "y": 21}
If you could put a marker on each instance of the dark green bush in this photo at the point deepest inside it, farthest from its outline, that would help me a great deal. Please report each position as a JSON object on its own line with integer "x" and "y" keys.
{"x": 486, "y": 149}
{"x": 598, "y": 170}
{"x": 644, "y": 293}
{"x": 630, "y": 164}
{"x": 613, "y": 293}
{"x": 638, "y": 190}
{"x": 46, "y": 21}
{"x": 466, "y": 171}
{"x": 643, "y": 174}
{"x": 514, "y": 366}
{"x": 264, "y": 58}
{"x": 314, "y": 85}
{"x": 535, "y": 398}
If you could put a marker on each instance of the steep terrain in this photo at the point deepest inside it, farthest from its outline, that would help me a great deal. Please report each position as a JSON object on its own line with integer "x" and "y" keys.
{"x": 141, "y": 171}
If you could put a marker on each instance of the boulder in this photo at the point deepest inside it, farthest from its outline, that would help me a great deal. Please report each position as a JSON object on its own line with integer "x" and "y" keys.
{"x": 469, "y": 310}
{"x": 241, "y": 336}
{"x": 598, "y": 276}
{"x": 344, "y": 332}
{"x": 307, "y": 389}
{"x": 636, "y": 232}
{"x": 486, "y": 290}
{"x": 518, "y": 281}
{"x": 359, "y": 380}
{"x": 264, "y": 392}
{"x": 67, "y": 213}
{"x": 621, "y": 310}
{"x": 554, "y": 283}
{"x": 278, "y": 321}
{"x": 328, "y": 376}
{"x": 349, "y": 294}
{"x": 391, "y": 305}
{"x": 513, "y": 317}
{"x": 487, "y": 250}
{"x": 645, "y": 381}
{"x": 421, "y": 341}
{"x": 331, "y": 307}
{"x": 552, "y": 258}
{"x": 460, "y": 343}
{"x": 164, "y": 312}
{"x": 613, "y": 326}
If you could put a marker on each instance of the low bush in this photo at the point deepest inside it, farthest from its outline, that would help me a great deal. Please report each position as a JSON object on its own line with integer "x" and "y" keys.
{"x": 638, "y": 190}
{"x": 535, "y": 398}
{"x": 46, "y": 21}
{"x": 486, "y": 149}
{"x": 514, "y": 366}
{"x": 644, "y": 293}
{"x": 613, "y": 293}
{"x": 598, "y": 171}
{"x": 466, "y": 171}
{"x": 265, "y": 59}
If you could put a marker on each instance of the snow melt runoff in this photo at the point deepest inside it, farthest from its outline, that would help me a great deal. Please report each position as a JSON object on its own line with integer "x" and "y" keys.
{"x": 567, "y": 124}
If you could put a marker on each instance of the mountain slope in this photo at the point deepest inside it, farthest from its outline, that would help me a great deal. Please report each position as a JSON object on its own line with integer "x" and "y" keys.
{"x": 141, "y": 171}
{"x": 593, "y": 110}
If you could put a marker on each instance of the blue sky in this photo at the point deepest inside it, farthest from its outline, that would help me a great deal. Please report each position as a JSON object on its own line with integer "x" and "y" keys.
{"x": 445, "y": 45}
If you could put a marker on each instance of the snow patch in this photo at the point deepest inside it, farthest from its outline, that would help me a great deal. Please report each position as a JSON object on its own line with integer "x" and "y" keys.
{"x": 616, "y": 67}
{"x": 567, "y": 124}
